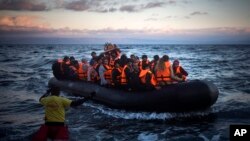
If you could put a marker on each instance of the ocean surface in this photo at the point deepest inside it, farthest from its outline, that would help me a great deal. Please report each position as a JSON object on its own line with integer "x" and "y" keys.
{"x": 26, "y": 69}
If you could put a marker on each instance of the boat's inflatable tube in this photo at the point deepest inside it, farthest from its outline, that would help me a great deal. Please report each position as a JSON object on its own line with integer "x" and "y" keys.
{"x": 181, "y": 97}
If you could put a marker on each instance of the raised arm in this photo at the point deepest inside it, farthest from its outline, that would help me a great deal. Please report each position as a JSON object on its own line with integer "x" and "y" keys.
{"x": 81, "y": 101}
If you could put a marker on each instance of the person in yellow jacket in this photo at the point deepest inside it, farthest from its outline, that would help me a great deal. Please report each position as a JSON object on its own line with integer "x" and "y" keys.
{"x": 55, "y": 105}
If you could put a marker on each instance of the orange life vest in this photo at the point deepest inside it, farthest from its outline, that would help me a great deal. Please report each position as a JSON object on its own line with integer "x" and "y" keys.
{"x": 140, "y": 64}
{"x": 143, "y": 74}
{"x": 164, "y": 75}
{"x": 178, "y": 73}
{"x": 123, "y": 76}
{"x": 82, "y": 73}
{"x": 107, "y": 73}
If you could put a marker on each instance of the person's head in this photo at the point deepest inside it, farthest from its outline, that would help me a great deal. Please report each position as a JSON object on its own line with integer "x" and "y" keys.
{"x": 129, "y": 62}
{"x": 93, "y": 54}
{"x": 135, "y": 65}
{"x": 55, "y": 91}
{"x": 75, "y": 64}
{"x": 156, "y": 57}
{"x": 160, "y": 65}
{"x": 176, "y": 63}
{"x": 66, "y": 59}
{"x": 84, "y": 61}
{"x": 145, "y": 66}
{"x": 123, "y": 60}
{"x": 132, "y": 56}
{"x": 105, "y": 61}
{"x": 165, "y": 58}
{"x": 144, "y": 57}
{"x": 71, "y": 58}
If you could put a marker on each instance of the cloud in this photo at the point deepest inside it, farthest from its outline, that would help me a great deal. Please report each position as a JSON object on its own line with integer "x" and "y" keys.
{"x": 100, "y": 6}
{"x": 155, "y": 4}
{"x": 198, "y": 13}
{"x": 78, "y": 6}
{"x": 129, "y": 8}
{"x": 22, "y": 23}
{"x": 225, "y": 35}
{"x": 22, "y": 5}
{"x": 141, "y": 7}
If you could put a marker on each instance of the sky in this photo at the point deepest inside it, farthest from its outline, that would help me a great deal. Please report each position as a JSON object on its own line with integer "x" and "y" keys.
{"x": 125, "y": 21}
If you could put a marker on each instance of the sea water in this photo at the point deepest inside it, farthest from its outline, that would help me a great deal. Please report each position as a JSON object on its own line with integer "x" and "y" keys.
{"x": 26, "y": 69}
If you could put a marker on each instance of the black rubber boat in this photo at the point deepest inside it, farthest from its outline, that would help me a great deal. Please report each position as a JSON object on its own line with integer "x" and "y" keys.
{"x": 182, "y": 97}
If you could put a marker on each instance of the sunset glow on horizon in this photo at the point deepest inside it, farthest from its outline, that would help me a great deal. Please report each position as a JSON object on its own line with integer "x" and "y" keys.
{"x": 127, "y": 21}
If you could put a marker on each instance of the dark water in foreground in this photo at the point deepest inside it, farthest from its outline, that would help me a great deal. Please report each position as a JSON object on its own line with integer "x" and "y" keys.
{"x": 26, "y": 69}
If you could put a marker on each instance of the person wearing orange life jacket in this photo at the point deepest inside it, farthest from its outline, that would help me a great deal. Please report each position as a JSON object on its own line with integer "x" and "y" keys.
{"x": 114, "y": 56}
{"x": 83, "y": 69}
{"x": 116, "y": 75}
{"x": 108, "y": 72}
{"x": 153, "y": 63}
{"x": 112, "y": 52}
{"x": 130, "y": 77}
{"x": 164, "y": 71}
{"x": 143, "y": 62}
{"x": 147, "y": 78}
{"x": 125, "y": 76}
{"x": 179, "y": 71}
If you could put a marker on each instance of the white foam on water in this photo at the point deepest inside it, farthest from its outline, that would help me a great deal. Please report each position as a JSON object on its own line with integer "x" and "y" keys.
{"x": 123, "y": 114}
{"x": 147, "y": 137}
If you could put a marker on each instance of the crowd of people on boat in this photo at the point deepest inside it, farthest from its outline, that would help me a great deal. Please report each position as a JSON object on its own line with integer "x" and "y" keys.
{"x": 112, "y": 69}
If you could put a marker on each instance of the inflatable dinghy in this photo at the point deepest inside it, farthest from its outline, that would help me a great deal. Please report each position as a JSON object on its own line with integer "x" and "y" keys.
{"x": 182, "y": 97}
